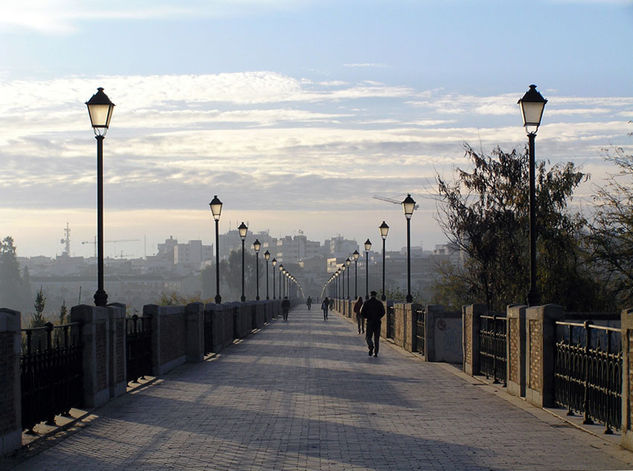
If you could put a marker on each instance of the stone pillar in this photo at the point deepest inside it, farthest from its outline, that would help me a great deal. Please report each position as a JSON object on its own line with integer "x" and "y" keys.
{"x": 410, "y": 324}
{"x": 626, "y": 324}
{"x": 194, "y": 332}
{"x": 152, "y": 311}
{"x": 383, "y": 324}
{"x": 470, "y": 337}
{"x": 515, "y": 349}
{"x": 117, "y": 335}
{"x": 540, "y": 338}
{"x": 432, "y": 311}
{"x": 95, "y": 351}
{"x": 10, "y": 390}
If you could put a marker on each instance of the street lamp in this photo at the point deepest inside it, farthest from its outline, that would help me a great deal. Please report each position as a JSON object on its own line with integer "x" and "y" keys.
{"x": 384, "y": 230}
{"x": 281, "y": 271}
{"x": 367, "y": 249}
{"x": 256, "y": 247}
{"x": 267, "y": 257}
{"x": 274, "y": 264}
{"x": 100, "y": 109}
{"x": 243, "y": 230}
{"x": 348, "y": 262}
{"x": 532, "y": 105}
{"x": 355, "y": 256}
{"x": 216, "y": 210}
{"x": 408, "y": 206}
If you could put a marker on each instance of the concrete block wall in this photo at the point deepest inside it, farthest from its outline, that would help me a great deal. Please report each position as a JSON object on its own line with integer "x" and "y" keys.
{"x": 10, "y": 396}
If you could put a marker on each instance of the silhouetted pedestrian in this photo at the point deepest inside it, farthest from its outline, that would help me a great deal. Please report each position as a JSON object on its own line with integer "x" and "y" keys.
{"x": 309, "y": 302}
{"x": 373, "y": 310}
{"x": 359, "y": 319}
{"x": 325, "y": 306}
{"x": 285, "y": 307}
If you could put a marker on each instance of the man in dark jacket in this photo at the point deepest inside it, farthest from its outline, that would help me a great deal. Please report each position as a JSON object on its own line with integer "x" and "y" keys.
{"x": 373, "y": 310}
{"x": 285, "y": 307}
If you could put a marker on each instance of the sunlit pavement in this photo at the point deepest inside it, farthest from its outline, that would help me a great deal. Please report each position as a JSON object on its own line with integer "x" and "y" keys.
{"x": 304, "y": 395}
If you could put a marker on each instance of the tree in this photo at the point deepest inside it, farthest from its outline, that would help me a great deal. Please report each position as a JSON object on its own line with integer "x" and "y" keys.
{"x": 14, "y": 291}
{"x": 484, "y": 213}
{"x": 611, "y": 236}
{"x": 37, "y": 320}
{"x": 63, "y": 313}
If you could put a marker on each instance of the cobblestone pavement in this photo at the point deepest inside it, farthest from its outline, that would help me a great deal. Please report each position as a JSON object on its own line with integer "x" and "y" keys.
{"x": 304, "y": 395}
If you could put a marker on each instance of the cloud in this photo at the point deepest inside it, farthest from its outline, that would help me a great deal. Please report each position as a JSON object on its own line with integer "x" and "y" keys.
{"x": 267, "y": 140}
{"x": 66, "y": 16}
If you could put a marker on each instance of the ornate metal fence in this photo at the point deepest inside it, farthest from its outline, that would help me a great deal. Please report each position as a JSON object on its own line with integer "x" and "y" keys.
{"x": 588, "y": 372}
{"x": 51, "y": 372}
{"x": 391, "y": 321}
{"x": 420, "y": 319}
{"x": 492, "y": 347}
{"x": 138, "y": 345}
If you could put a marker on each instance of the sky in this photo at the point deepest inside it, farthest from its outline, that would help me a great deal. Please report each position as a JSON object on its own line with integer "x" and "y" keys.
{"x": 297, "y": 114}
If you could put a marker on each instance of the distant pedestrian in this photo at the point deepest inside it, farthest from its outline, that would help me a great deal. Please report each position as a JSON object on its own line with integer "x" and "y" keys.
{"x": 309, "y": 302}
{"x": 325, "y": 306}
{"x": 373, "y": 310}
{"x": 285, "y": 307}
{"x": 359, "y": 319}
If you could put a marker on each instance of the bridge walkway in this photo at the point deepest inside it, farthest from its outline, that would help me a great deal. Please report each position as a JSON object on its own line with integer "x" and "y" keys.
{"x": 304, "y": 395}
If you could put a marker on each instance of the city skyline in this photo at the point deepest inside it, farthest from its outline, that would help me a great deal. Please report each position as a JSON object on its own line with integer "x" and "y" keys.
{"x": 296, "y": 114}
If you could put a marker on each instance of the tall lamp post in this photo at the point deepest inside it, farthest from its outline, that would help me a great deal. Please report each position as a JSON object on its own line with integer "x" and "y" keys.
{"x": 355, "y": 256}
{"x": 532, "y": 105}
{"x": 274, "y": 264}
{"x": 100, "y": 109}
{"x": 267, "y": 257}
{"x": 348, "y": 262}
{"x": 243, "y": 230}
{"x": 256, "y": 247}
{"x": 367, "y": 249}
{"x": 384, "y": 230}
{"x": 281, "y": 272}
{"x": 408, "y": 206}
{"x": 216, "y": 210}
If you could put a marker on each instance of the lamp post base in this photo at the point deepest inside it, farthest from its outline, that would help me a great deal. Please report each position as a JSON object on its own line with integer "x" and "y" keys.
{"x": 101, "y": 298}
{"x": 383, "y": 297}
{"x": 409, "y": 298}
{"x": 243, "y": 298}
{"x": 218, "y": 299}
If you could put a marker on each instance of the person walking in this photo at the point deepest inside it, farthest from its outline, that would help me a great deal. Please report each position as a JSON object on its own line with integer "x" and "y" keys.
{"x": 325, "y": 305}
{"x": 373, "y": 310}
{"x": 285, "y": 307}
{"x": 359, "y": 319}
{"x": 309, "y": 302}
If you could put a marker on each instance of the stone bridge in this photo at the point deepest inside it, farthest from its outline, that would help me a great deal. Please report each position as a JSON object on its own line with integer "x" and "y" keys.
{"x": 304, "y": 395}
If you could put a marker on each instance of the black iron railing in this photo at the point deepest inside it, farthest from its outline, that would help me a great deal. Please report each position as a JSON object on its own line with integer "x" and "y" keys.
{"x": 588, "y": 372}
{"x": 420, "y": 319}
{"x": 492, "y": 347}
{"x": 208, "y": 332}
{"x": 391, "y": 321}
{"x": 138, "y": 347}
{"x": 51, "y": 372}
